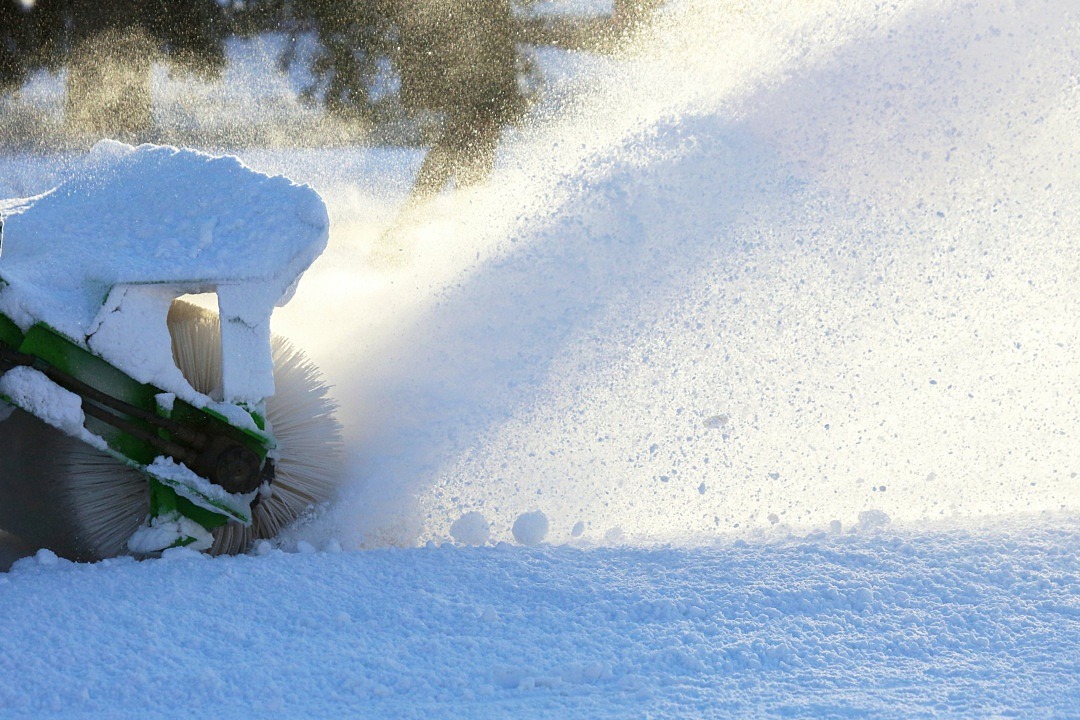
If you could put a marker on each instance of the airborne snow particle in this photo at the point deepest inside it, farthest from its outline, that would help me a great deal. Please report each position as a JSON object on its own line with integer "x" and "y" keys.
{"x": 579, "y": 529}
{"x": 531, "y": 528}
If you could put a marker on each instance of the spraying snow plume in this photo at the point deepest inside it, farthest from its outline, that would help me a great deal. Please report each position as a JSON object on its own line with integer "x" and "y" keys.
{"x": 786, "y": 266}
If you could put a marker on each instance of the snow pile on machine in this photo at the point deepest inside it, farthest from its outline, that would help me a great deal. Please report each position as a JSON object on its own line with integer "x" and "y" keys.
{"x": 95, "y": 346}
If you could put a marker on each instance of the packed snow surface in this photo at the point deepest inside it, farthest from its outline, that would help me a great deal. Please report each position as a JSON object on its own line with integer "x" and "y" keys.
{"x": 773, "y": 322}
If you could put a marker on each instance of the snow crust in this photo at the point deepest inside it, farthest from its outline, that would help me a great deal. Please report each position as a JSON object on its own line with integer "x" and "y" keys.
{"x": 29, "y": 388}
{"x": 100, "y": 257}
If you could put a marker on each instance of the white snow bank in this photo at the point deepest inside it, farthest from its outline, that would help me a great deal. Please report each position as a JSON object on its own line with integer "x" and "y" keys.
{"x": 100, "y": 257}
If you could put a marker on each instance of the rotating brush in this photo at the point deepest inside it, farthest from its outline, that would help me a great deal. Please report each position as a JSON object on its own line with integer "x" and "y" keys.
{"x": 60, "y": 493}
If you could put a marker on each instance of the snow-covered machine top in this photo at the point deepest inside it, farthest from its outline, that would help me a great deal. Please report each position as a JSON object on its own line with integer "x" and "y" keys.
{"x": 101, "y": 257}
{"x": 94, "y": 344}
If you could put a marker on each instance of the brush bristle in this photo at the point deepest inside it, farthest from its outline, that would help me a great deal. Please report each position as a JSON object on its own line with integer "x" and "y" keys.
{"x": 108, "y": 499}
{"x": 300, "y": 415}
{"x": 57, "y": 492}
{"x": 84, "y": 504}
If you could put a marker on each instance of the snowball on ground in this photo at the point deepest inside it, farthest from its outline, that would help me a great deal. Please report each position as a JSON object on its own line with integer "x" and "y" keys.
{"x": 531, "y": 528}
{"x": 471, "y": 529}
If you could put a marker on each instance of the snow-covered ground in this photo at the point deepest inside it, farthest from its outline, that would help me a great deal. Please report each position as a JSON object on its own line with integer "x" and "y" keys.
{"x": 774, "y": 321}
{"x": 948, "y": 624}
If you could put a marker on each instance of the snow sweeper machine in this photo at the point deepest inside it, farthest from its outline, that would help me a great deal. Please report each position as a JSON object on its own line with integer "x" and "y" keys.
{"x": 133, "y": 420}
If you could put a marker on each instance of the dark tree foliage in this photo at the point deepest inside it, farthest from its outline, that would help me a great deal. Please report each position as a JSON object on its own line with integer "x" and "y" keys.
{"x": 458, "y": 58}
{"x": 455, "y": 54}
{"x": 24, "y": 42}
{"x": 596, "y": 33}
{"x": 455, "y": 58}
{"x": 108, "y": 47}
{"x": 190, "y": 33}
{"x": 446, "y": 53}
{"x": 629, "y": 14}
{"x": 353, "y": 39}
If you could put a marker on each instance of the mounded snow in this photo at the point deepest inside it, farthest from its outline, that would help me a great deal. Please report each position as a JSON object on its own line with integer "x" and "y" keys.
{"x": 820, "y": 265}
{"x": 33, "y": 391}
